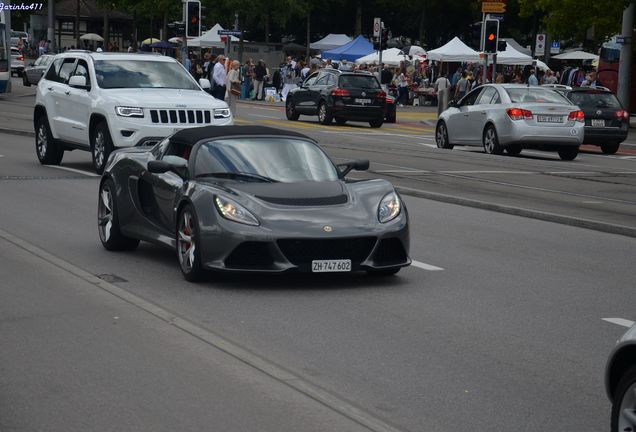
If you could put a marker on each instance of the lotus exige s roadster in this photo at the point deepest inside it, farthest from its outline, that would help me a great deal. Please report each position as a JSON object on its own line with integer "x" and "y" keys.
{"x": 251, "y": 198}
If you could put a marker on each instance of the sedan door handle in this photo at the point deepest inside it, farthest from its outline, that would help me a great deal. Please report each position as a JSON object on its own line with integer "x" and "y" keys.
{"x": 49, "y": 88}
{"x": 67, "y": 92}
{"x": 483, "y": 112}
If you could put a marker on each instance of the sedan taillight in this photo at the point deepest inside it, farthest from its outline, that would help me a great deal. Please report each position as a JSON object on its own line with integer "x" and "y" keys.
{"x": 20, "y": 58}
{"x": 519, "y": 114}
{"x": 578, "y": 116}
{"x": 340, "y": 92}
{"x": 381, "y": 95}
{"x": 622, "y": 114}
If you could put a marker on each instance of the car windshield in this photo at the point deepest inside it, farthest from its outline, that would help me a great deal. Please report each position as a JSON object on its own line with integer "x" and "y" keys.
{"x": 286, "y": 160}
{"x": 593, "y": 99}
{"x": 535, "y": 95}
{"x": 142, "y": 74}
{"x": 358, "y": 81}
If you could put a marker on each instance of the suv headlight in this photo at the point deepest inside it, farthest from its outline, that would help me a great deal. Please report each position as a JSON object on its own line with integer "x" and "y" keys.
{"x": 389, "y": 207}
{"x": 129, "y": 111}
{"x": 221, "y": 113}
{"x": 233, "y": 211}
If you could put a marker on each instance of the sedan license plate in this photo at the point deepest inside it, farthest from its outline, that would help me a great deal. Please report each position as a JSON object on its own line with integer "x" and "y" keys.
{"x": 549, "y": 119}
{"x": 363, "y": 101}
{"x": 598, "y": 123}
{"x": 325, "y": 266}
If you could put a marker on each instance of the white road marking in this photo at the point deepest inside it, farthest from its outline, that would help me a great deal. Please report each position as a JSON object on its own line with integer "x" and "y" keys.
{"x": 429, "y": 145}
{"x": 626, "y": 157}
{"x": 487, "y": 172}
{"x": 619, "y": 321}
{"x": 402, "y": 171}
{"x": 425, "y": 266}
{"x": 1, "y": 155}
{"x": 591, "y": 202}
{"x": 86, "y": 173}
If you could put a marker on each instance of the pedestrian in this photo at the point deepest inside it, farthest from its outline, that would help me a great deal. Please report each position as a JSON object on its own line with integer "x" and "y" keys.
{"x": 403, "y": 88}
{"x": 233, "y": 83}
{"x": 219, "y": 78}
{"x": 259, "y": 76}
{"x": 328, "y": 65}
{"x": 385, "y": 78}
{"x": 591, "y": 80}
{"x": 441, "y": 84}
{"x": 304, "y": 71}
{"x": 290, "y": 78}
{"x": 455, "y": 78}
{"x": 462, "y": 86}
{"x": 247, "y": 74}
{"x": 532, "y": 78}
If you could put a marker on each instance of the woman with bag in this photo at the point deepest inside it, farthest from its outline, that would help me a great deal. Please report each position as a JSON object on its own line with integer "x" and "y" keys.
{"x": 234, "y": 86}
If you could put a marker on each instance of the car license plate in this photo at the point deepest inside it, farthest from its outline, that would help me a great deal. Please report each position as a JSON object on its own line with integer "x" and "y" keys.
{"x": 363, "y": 101}
{"x": 549, "y": 119}
{"x": 598, "y": 123}
{"x": 324, "y": 266}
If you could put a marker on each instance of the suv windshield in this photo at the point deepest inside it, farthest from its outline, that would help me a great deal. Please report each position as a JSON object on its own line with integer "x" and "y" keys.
{"x": 593, "y": 99}
{"x": 535, "y": 95}
{"x": 255, "y": 159}
{"x": 142, "y": 74}
{"x": 358, "y": 81}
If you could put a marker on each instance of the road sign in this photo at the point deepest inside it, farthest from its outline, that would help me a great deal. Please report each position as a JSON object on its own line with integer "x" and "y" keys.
{"x": 623, "y": 40}
{"x": 377, "y": 23}
{"x": 555, "y": 47}
{"x": 539, "y": 46}
{"x": 497, "y": 17}
{"x": 236, "y": 33}
{"x": 497, "y": 7}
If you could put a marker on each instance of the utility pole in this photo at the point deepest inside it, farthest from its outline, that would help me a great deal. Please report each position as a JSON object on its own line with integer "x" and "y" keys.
{"x": 624, "y": 72}
{"x": 50, "y": 31}
{"x": 7, "y": 30}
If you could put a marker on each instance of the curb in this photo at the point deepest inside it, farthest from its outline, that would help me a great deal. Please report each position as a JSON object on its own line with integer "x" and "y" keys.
{"x": 17, "y": 132}
{"x": 517, "y": 211}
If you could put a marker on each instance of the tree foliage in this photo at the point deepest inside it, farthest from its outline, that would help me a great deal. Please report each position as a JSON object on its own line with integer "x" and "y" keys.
{"x": 571, "y": 19}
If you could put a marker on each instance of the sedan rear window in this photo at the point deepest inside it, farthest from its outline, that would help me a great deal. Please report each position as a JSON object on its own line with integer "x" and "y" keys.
{"x": 535, "y": 95}
{"x": 594, "y": 99}
{"x": 358, "y": 81}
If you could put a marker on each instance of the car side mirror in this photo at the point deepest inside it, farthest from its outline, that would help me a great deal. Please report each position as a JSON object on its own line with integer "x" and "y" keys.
{"x": 205, "y": 83}
{"x": 358, "y": 165}
{"x": 78, "y": 81}
{"x": 175, "y": 164}
{"x": 452, "y": 103}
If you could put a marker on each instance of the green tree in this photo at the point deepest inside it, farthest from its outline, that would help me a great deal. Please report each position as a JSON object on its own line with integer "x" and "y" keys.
{"x": 573, "y": 19}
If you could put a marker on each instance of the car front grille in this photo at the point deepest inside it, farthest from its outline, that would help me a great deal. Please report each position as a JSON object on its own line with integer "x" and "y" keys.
{"x": 321, "y": 201}
{"x": 304, "y": 251}
{"x": 168, "y": 116}
{"x": 250, "y": 255}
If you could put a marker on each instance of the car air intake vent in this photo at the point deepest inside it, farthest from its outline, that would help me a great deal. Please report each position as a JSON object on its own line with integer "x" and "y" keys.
{"x": 181, "y": 116}
{"x": 302, "y": 252}
{"x": 250, "y": 255}
{"x": 321, "y": 201}
{"x": 389, "y": 251}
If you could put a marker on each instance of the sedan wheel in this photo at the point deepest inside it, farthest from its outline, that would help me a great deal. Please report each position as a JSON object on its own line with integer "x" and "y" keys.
{"x": 513, "y": 150}
{"x": 108, "y": 221}
{"x": 624, "y": 406}
{"x": 568, "y": 153}
{"x": 441, "y": 136}
{"x": 491, "y": 142}
{"x": 188, "y": 246}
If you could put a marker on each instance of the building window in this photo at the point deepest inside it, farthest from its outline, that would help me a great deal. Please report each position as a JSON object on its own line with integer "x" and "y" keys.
{"x": 68, "y": 26}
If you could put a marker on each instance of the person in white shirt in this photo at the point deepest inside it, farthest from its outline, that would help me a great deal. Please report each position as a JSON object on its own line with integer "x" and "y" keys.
{"x": 441, "y": 83}
{"x": 219, "y": 76}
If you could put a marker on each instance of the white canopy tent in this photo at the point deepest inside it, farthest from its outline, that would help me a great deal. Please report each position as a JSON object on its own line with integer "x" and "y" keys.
{"x": 391, "y": 57}
{"x": 512, "y": 57}
{"x": 210, "y": 38}
{"x": 576, "y": 55}
{"x": 454, "y": 51}
{"x": 330, "y": 41}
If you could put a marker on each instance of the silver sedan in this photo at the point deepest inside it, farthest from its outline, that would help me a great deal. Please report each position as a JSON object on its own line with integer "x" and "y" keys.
{"x": 512, "y": 117}
{"x": 620, "y": 382}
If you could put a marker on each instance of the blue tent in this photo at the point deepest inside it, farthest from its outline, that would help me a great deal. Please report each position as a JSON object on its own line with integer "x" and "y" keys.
{"x": 359, "y": 47}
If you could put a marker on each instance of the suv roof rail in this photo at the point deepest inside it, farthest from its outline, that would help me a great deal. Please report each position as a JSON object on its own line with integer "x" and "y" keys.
{"x": 595, "y": 88}
{"x": 78, "y": 50}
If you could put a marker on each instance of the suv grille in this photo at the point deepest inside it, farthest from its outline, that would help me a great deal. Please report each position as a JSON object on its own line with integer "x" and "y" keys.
{"x": 181, "y": 116}
{"x": 300, "y": 252}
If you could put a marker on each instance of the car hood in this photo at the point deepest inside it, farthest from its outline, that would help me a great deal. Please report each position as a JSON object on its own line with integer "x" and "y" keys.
{"x": 350, "y": 208}
{"x": 163, "y": 98}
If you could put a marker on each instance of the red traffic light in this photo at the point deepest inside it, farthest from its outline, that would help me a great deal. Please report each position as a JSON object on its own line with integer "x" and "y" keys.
{"x": 491, "y": 37}
{"x": 194, "y": 20}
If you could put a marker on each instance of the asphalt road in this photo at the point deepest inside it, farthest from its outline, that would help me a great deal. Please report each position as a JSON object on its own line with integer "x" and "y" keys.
{"x": 499, "y": 327}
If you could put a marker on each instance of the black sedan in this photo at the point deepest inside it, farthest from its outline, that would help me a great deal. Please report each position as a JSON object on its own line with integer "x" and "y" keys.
{"x": 251, "y": 198}
{"x": 31, "y": 74}
{"x": 331, "y": 94}
{"x": 606, "y": 121}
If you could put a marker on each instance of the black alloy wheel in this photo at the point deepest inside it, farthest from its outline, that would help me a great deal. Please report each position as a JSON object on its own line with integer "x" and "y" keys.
{"x": 610, "y": 148}
{"x": 290, "y": 110}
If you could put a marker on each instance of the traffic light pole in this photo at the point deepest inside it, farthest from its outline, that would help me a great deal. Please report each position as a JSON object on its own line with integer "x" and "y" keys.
{"x": 185, "y": 31}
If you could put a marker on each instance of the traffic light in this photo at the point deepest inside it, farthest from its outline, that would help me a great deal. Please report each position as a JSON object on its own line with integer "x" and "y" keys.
{"x": 491, "y": 36}
{"x": 502, "y": 45}
{"x": 385, "y": 37}
{"x": 193, "y": 18}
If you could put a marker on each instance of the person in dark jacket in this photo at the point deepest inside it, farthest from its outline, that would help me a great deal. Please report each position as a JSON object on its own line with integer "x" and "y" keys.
{"x": 259, "y": 76}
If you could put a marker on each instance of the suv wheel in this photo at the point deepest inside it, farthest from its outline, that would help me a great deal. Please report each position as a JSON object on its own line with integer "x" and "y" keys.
{"x": 49, "y": 152}
{"x": 610, "y": 148}
{"x": 101, "y": 146}
{"x": 290, "y": 110}
{"x": 568, "y": 153}
{"x": 324, "y": 116}
{"x": 377, "y": 122}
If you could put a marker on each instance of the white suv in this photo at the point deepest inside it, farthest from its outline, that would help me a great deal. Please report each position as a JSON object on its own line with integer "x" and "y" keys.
{"x": 103, "y": 101}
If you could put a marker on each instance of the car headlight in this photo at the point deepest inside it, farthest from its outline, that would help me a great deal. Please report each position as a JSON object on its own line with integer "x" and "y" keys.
{"x": 221, "y": 113}
{"x": 129, "y": 111}
{"x": 389, "y": 207}
{"x": 233, "y": 211}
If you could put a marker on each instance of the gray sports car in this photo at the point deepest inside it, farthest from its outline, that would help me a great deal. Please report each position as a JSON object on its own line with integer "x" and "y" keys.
{"x": 251, "y": 198}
